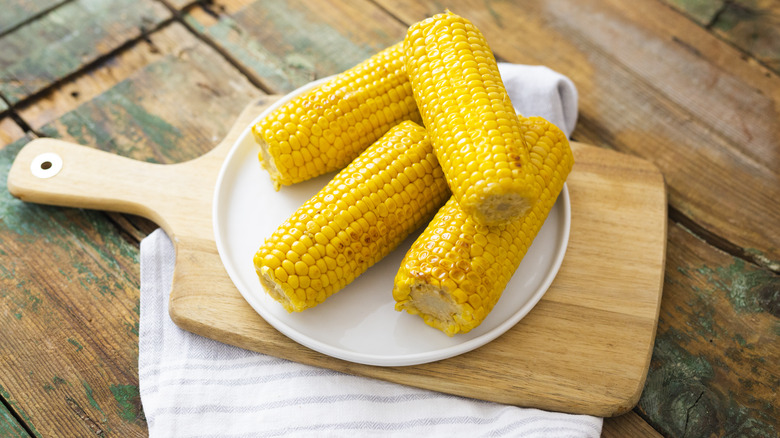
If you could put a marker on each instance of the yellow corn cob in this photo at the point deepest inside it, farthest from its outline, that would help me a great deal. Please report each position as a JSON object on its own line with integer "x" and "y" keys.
{"x": 322, "y": 130}
{"x": 457, "y": 269}
{"x": 470, "y": 120}
{"x": 387, "y": 192}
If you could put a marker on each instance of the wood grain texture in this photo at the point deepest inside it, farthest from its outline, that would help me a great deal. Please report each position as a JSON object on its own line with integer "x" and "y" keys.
{"x": 182, "y": 4}
{"x": 701, "y": 11}
{"x": 715, "y": 364}
{"x": 69, "y": 305}
{"x": 753, "y": 26}
{"x": 10, "y": 131}
{"x": 572, "y": 353}
{"x": 17, "y": 12}
{"x": 167, "y": 106}
{"x": 750, "y": 25}
{"x": 9, "y": 426}
{"x": 627, "y": 425}
{"x": 286, "y": 44}
{"x": 656, "y": 85}
{"x": 172, "y": 41}
{"x": 50, "y": 48}
{"x": 165, "y": 111}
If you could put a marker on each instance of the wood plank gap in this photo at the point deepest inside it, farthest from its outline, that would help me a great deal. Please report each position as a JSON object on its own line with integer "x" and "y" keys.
{"x": 143, "y": 36}
{"x": 10, "y": 408}
{"x": 125, "y": 228}
{"x": 34, "y": 17}
{"x": 642, "y": 416}
{"x": 715, "y": 17}
{"x": 14, "y": 115}
{"x": 178, "y": 16}
{"x": 721, "y": 243}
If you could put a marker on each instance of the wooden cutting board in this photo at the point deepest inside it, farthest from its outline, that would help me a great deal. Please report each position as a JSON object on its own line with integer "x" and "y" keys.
{"x": 585, "y": 348}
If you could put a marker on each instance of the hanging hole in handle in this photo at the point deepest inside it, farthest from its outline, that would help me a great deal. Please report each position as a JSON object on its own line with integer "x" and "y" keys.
{"x": 46, "y": 165}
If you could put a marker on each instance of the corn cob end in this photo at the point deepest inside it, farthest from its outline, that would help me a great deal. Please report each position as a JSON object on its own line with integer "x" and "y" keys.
{"x": 276, "y": 291}
{"x": 437, "y": 307}
{"x": 266, "y": 159}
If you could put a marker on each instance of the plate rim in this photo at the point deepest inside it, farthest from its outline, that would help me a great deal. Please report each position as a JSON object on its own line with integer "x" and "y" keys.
{"x": 370, "y": 358}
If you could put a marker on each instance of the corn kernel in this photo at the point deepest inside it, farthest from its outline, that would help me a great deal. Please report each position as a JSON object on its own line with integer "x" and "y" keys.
{"x": 464, "y": 108}
{"x": 480, "y": 259}
{"x": 359, "y": 230}
{"x": 341, "y": 119}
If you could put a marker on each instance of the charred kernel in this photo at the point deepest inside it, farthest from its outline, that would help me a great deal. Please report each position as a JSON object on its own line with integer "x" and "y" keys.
{"x": 463, "y": 286}
{"x": 359, "y": 231}
{"x": 325, "y": 128}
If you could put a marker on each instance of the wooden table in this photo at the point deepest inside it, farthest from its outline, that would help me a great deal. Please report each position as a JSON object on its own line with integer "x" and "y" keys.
{"x": 691, "y": 86}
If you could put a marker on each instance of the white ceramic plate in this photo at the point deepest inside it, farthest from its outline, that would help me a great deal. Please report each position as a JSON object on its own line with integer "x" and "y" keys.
{"x": 359, "y": 323}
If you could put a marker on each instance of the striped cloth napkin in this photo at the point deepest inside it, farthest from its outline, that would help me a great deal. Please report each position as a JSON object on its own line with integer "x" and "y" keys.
{"x": 196, "y": 387}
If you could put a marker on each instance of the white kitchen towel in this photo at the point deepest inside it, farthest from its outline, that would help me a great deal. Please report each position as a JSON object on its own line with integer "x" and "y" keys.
{"x": 195, "y": 387}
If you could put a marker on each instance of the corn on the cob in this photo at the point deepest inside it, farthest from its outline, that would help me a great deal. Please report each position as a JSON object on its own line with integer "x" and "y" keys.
{"x": 470, "y": 119}
{"x": 457, "y": 269}
{"x": 368, "y": 208}
{"x": 322, "y": 130}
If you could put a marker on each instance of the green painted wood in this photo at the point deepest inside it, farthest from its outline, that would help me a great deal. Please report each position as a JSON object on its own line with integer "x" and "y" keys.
{"x": 172, "y": 110}
{"x": 69, "y": 288}
{"x": 181, "y": 4}
{"x": 753, "y": 26}
{"x": 288, "y": 44}
{"x": 701, "y": 11}
{"x": 69, "y": 278}
{"x": 714, "y": 369}
{"x": 17, "y": 12}
{"x": 41, "y": 52}
{"x": 9, "y": 426}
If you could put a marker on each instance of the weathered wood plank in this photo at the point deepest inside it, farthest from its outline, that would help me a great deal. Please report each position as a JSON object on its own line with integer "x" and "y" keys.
{"x": 170, "y": 42}
{"x": 44, "y": 51}
{"x": 171, "y": 110}
{"x": 287, "y": 44}
{"x": 753, "y": 26}
{"x": 16, "y": 12}
{"x": 714, "y": 369}
{"x": 217, "y": 86}
{"x": 9, "y": 426}
{"x": 69, "y": 278}
{"x": 627, "y": 425}
{"x": 69, "y": 306}
{"x": 657, "y": 85}
{"x": 181, "y": 4}
{"x": 10, "y": 131}
{"x": 91, "y": 82}
{"x": 701, "y": 11}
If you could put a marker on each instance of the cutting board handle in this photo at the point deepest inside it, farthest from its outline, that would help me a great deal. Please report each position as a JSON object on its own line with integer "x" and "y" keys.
{"x": 175, "y": 196}
{"x": 55, "y": 172}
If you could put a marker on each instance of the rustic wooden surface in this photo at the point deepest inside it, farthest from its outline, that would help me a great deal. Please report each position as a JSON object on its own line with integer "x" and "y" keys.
{"x": 690, "y": 85}
{"x": 600, "y": 310}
